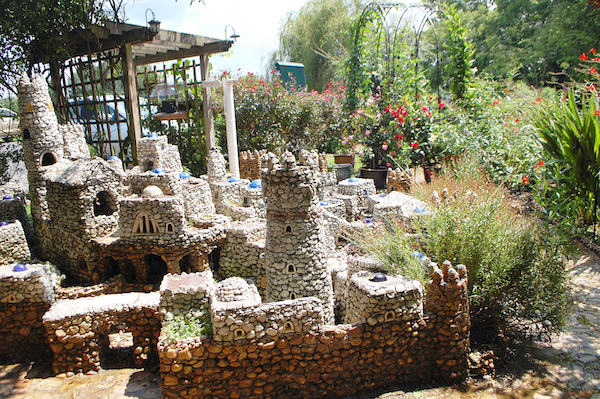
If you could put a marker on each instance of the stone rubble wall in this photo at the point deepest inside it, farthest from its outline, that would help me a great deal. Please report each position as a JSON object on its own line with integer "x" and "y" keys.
{"x": 253, "y": 198}
{"x": 400, "y": 180}
{"x": 353, "y": 206}
{"x": 448, "y": 306}
{"x": 78, "y": 329}
{"x": 370, "y": 302}
{"x": 75, "y": 145}
{"x": 186, "y": 294}
{"x": 274, "y": 319}
{"x": 113, "y": 285}
{"x": 240, "y": 254}
{"x": 156, "y": 152}
{"x": 226, "y": 194}
{"x": 327, "y": 185}
{"x": 215, "y": 167}
{"x": 295, "y": 245}
{"x": 168, "y": 182}
{"x": 24, "y": 298}
{"x": 197, "y": 198}
{"x": 13, "y": 244}
{"x": 163, "y": 210}
{"x": 361, "y": 188}
{"x": 250, "y": 164}
{"x": 395, "y": 205}
{"x": 14, "y": 209}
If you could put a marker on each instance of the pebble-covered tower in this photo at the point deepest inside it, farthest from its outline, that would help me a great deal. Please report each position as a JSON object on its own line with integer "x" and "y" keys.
{"x": 295, "y": 255}
{"x": 43, "y": 143}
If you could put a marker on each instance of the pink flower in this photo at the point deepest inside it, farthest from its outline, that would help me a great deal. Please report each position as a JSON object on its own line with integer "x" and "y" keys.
{"x": 384, "y": 147}
{"x": 361, "y": 153}
{"x": 442, "y": 105}
{"x": 388, "y": 164}
{"x": 393, "y": 152}
{"x": 367, "y": 133}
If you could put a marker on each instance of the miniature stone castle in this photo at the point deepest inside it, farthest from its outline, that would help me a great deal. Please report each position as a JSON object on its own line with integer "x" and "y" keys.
{"x": 165, "y": 235}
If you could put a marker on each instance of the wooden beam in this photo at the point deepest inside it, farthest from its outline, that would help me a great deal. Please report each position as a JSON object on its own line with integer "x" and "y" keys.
{"x": 132, "y": 102}
{"x": 195, "y": 51}
{"x": 207, "y": 106}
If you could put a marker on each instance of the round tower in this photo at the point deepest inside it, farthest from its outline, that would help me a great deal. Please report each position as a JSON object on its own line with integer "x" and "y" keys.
{"x": 43, "y": 143}
{"x": 295, "y": 255}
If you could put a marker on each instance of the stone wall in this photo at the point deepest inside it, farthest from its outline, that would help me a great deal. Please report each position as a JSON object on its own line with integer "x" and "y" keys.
{"x": 13, "y": 244}
{"x": 78, "y": 329}
{"x": 168, "y": 182}
{"x": 250, "y": 164}
{"x": 158, "y": 220}
{"x": 355, "y": 186}
{"x": 242, "y": 248}
{"x": 75, "y": 145}
{"x": 186, "y": 294}
{"x": 295, "y": 246}
{"x": 197, "y": 198}
{"x": 12, "y": 207}
{"x": 24, "y": 297}
{"x": 156, "y": 152}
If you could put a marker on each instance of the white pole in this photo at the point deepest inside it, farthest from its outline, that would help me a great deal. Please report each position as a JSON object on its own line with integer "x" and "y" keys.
{"x": 232, "y": 147}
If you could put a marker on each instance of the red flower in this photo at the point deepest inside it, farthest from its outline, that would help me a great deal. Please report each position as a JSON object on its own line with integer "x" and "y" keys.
{"x": 441, "y": 105}
{"x": 540, "y": 164}
{"x": 399, "y": 136}
{"x": 414, "y": 145}
{"x": 591, "y": 87}
{"x": 525, "y": 180}
{"x": 583, "y": 57}
{"x": 387, "y": 109}
{"x": 597, "y": 112}
{"x": 593, "y": 51}
{"x": 517, "y": 120}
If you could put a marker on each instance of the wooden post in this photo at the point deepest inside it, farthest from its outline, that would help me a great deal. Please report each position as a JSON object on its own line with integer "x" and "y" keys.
{"x": 133, "y": 107}
{"x": 209, "y": 125}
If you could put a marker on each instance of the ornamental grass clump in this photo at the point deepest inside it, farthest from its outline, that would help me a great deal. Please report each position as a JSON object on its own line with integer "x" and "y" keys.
{"x": 517, "y": 268}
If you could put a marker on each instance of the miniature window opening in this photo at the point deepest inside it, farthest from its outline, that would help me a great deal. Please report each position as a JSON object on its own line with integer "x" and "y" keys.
{"x": 82, "y": 264}
{"x": 11, "y": 298}
{"x": 291, "y": 268}
{"x": 292, "y": 296}
{"x": 48, "y": 159}
{"x": 365, "y": 192}
{"x": 288, "y": 229}
{"x": 104, "y": 204}
{"x": 185, "y": 264}
{"x": 145, "y": 224}
{"x": 149, "y": 165}
{"x": 157, "y": 268}
{"x": 390, "y": 316}
{"x": 233, "y": 247}
{"x": 288, "y": 327}
{"x": 26, "y": 134}
{"x": 111, "y": 267}
{"x": 239, "y": 333}
{"x": 170, "y": 228}
{"x": 245, "y": 201}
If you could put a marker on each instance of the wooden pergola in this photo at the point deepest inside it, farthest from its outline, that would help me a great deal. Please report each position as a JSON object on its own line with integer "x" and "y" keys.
{"x": 138, "y": 45}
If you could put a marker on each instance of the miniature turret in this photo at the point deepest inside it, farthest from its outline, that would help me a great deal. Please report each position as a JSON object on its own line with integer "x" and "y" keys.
{"x": 295, "y": 256}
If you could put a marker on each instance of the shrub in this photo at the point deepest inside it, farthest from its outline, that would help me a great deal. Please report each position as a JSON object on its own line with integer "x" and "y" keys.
{"x": 517, "y": 275}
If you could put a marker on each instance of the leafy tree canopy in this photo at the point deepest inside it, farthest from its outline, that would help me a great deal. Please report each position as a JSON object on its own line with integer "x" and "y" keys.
{"x": 318, "y": 36}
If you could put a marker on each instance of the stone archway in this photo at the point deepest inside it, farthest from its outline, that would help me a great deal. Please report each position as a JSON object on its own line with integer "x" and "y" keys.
{"x": 157, "y": 268}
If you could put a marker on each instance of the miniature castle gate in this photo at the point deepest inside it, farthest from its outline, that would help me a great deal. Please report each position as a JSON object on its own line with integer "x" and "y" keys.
{"x": 78, "y": 329}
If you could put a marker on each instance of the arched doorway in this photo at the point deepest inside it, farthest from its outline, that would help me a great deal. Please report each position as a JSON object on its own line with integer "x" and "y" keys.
{"x": 104, "y": 204}
{"x": 185, "y": 264}
{"x": 156, "y": 267}
{"x": 111, "y": 267}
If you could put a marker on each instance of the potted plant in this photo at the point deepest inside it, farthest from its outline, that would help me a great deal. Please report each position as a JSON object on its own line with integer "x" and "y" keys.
{"x": 392, "y": 135}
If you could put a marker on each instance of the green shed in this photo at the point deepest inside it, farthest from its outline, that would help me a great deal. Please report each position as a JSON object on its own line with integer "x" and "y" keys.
{"x": 292, "y": 73}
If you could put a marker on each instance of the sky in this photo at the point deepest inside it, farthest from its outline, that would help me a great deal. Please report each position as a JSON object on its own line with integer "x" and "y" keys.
{"x": 257, "y": 22}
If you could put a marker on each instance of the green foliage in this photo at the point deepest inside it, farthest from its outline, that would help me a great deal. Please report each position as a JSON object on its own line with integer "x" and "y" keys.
{"x": 389, "y": 243}
{"x": 459, "y": 53}
{"x": 318, "y": 37}
{"x": 181, "y": 326}
{"x": 269, "y": 116}
{"x": 570, "y": 136}
{"x": 517, "y": 273}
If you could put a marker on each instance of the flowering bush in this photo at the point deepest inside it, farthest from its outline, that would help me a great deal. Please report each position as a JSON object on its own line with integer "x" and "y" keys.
{"x": 270, "y": 116}
{"x": 392, "y": 135}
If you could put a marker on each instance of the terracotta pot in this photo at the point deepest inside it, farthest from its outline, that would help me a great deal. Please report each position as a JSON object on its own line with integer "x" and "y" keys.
{"x": 343, "y": 159}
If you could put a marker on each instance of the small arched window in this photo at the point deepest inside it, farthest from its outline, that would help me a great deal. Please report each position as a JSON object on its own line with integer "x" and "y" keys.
{"x": 239, "y": 334}
{"x": 82, "y": 264}
{"x": 291, "y": 268}
{"x": 48, "y": 159}
{"x": 390, "y": 316}
{"x": 288, "y": 229}
{"x": 292, "y": 296}
{"x": 170, "y": 227}
{"x": 145, "y": 224}
{"x": 288, "y": 327}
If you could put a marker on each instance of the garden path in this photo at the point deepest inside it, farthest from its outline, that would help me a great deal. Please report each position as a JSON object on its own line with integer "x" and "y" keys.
{"x": 567, "y": 367}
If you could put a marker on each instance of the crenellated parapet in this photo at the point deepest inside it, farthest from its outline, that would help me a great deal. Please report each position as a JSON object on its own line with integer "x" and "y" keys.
{"x": 155, "y": 152}
{"x": 250, "y": 162}
{"x": 447, "y": 305}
